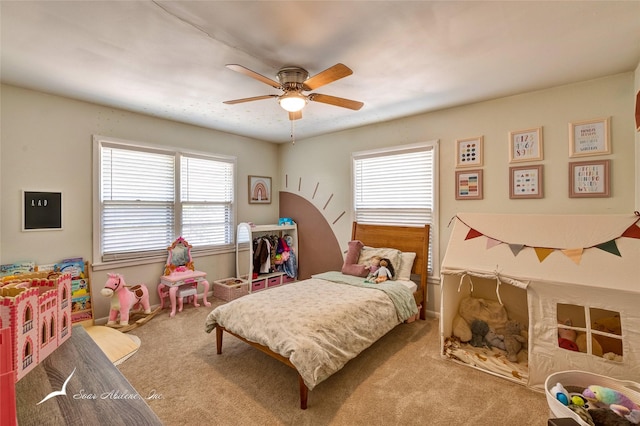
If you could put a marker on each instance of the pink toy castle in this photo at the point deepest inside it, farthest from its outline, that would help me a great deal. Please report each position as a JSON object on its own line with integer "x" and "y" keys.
{"x": 7, "y": 381}
{"x": 37, "y": 311}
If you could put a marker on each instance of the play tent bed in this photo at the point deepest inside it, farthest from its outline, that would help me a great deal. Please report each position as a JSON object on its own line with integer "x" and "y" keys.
{"x": 317, "y": 325}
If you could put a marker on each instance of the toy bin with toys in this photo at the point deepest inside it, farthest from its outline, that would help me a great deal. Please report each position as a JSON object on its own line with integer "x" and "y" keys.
{"x": 590, "y": 398}
{"x": 230, "y": 288}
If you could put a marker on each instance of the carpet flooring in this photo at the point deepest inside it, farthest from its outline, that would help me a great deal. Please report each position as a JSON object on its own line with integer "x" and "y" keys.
{"x": 400, "y": 380}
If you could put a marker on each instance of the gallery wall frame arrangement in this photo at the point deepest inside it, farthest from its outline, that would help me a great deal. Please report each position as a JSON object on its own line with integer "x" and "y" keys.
{"x": 259, "y": 190}
{"x": 526, "y": 182}
{"x": 41, "y": 211}
{"x": 469, "y": 152}
{"x": 526, "y": 145}
{"x": 589, "y": 179}
{"x": 469, "y": 184}
{"x": 590, "y": 137}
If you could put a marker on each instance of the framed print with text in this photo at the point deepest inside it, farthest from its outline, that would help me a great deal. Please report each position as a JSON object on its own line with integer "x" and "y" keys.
{"x": 259, "y": 190}
{"x": 589, "y": 138}
{"x": 589, "y": 179}
{"x": 525, "y": 182}
{"x": 41, "y": 211}
{"x": 469, "y": 152}
{"x": 469, "y": 184}
{"x": 526, "y": 145}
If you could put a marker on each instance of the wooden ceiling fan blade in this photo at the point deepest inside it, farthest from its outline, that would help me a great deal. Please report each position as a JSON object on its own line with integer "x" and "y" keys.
{"x": 327, "y": 76}
{"x": 333, "y": 100}
{"x": 295, "y": 115}
{"x": 246, "y": 71}
{"x": 255, "y": 98}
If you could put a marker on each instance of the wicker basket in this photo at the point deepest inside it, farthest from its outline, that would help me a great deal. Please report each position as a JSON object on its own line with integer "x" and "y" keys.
{"x": 584, "y": 379}
{"x": 230, "y": 288}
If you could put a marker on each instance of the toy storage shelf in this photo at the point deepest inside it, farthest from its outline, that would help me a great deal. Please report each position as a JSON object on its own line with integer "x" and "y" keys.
{"x": 245, "y": 235}
{"x": 84, "y": 315}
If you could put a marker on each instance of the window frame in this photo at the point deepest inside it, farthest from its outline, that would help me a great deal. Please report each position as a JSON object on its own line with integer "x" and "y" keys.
{"x": 98, "y": 141}
{"x": 433, "y": 145}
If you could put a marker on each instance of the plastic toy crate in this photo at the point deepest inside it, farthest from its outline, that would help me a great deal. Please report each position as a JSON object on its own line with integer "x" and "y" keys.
{"x": 230, "y": 288}
{"x": 585, "y": 379}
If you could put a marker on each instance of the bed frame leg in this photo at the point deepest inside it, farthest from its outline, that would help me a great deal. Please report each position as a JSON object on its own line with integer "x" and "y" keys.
{"x": 219, "y": 340}
{"x": 304, "y": 393}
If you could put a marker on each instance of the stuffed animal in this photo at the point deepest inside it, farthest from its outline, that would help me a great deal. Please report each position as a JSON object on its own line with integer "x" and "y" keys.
{"x": 513, "y": 340}
{"x": 385, "y": 271}
{"x": 461, "y": 329}
{"x": 479, "y": 329}
{"x": 495, "y": 339}
{"x": 608, "y": 325}
{"x": 609, "y": 396}
{"x": 596, "y": 348}
{"x": 567, "y": 339}
{"x": 489, "y": 311}
{"x": 606, "y": 417}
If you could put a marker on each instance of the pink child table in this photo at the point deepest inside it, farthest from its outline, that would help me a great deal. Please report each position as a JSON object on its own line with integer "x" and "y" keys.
{"x": 182, "y": 284}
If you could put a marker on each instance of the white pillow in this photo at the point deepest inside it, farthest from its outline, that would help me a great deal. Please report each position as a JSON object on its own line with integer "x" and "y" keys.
{"x": 403, "y": 272}
{"x": 394, "y": 255}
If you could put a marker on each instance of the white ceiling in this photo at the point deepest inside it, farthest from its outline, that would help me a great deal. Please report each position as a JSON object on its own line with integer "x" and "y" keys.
{"x": 167, "y": 58}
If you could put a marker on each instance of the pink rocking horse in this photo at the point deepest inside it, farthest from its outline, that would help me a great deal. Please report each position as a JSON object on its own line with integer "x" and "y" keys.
{"x": 124, "y": 299}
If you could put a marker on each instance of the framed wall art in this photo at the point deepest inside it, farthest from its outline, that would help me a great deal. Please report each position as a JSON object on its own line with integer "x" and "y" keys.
{"x": 525, "y": 182}
{"x": 469, "y": 184}
{"x": 526, "y": 145}
{"x": 259, "y": 190}
{"x": 41, "y": 211}
{"x": 469, "y": 152}
{"x": 589, "y": 179}
{"x": 589, "y": 138}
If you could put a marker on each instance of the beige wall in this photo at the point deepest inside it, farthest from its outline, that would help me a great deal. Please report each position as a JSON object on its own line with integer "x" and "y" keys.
{"x": 636, "y": 90}
{"x": 326, "y": 159}
{"x": 46, "y": 144}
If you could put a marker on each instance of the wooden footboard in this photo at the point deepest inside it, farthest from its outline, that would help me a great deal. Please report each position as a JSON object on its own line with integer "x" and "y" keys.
{"x": 304, "y": 390}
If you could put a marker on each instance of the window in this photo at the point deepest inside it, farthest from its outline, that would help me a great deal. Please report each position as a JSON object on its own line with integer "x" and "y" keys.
{"x": 576, "y": 323}
{"x": 398, "y": 186}
{"x": 148, "y": 196}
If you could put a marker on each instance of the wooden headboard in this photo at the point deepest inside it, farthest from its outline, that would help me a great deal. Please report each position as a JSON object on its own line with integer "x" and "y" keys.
{"x": 404, "y": 238}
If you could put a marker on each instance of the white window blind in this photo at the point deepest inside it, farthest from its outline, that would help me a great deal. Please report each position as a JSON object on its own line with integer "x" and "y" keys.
{"x": 138, "y": 212}
{"x": 207, "y": 201}
{"x": 396, "y": 187}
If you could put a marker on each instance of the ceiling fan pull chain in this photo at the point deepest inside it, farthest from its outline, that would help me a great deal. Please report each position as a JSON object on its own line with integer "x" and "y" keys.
{"x": 293, "y": 138}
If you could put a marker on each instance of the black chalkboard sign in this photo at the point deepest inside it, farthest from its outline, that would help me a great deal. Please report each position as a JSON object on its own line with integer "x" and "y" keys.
{"x": 41, "y": 211}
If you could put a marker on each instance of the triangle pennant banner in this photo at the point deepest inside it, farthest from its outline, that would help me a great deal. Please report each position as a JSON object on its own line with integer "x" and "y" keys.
{"x": 574, "y": 254}
{"x": 632, "y": 232}
{"x": 543, "y": 252}
{"x": 492, "y": 242}
{"x": 472, "y": 234}
{"x": 516, "y": 248}
{"x": 610, "y": 247}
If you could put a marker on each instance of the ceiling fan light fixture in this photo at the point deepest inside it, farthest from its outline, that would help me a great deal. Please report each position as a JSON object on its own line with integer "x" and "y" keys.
{"x": 292, "y": 101}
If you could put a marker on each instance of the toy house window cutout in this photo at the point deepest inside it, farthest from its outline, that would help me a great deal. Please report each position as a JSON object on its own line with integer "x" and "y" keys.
{"x": 576, "y": 323}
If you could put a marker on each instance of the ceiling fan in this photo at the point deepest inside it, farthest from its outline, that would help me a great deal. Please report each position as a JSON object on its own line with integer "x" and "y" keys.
{"x": 293, "y": 81}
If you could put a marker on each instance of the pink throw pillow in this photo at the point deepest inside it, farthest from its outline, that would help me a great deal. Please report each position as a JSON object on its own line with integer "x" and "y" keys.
{"x": 350, "y": 266}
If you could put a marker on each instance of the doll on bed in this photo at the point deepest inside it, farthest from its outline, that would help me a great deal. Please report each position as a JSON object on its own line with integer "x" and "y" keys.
{"x": 374, "y": 264}
{"x": 384, "y": 272}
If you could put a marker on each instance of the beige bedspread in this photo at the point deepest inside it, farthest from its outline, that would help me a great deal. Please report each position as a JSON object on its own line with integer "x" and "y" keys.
{"x": 319, "y": 325}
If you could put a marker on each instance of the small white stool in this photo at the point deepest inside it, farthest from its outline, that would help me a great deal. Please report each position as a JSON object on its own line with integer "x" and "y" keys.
{"x": 187, "y": 291}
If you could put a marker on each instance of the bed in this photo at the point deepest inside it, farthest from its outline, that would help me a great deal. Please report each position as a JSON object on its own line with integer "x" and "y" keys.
{"x": 316, "y": 326}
